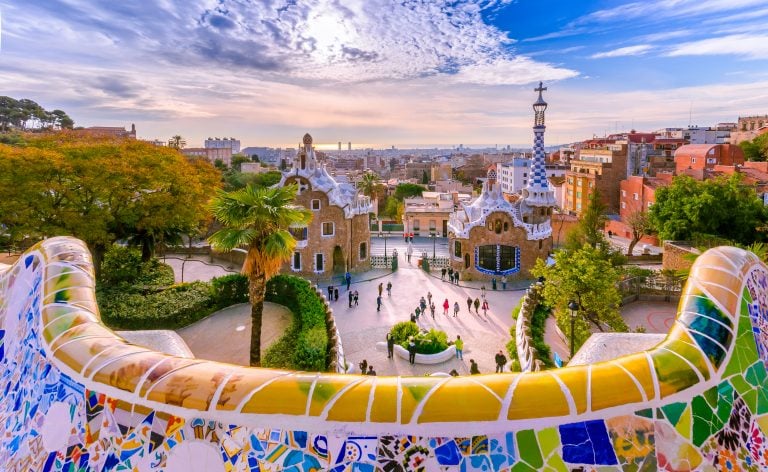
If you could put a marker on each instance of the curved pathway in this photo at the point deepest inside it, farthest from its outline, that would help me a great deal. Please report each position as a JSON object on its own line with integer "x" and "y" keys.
{"x": 225, "y": 335}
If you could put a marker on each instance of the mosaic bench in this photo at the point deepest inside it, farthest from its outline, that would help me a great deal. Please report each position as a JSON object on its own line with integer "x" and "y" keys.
{"x": 75, "y": 396}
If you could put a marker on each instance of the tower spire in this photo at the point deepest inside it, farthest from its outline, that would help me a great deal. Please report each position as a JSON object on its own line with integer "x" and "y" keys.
{"x": 537, "y": 192}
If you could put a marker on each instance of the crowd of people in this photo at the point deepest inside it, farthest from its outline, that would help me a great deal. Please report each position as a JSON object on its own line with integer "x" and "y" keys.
{"x": 426, "y": 306}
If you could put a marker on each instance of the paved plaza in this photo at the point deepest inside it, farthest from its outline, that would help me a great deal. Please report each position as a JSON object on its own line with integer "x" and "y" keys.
{"x": 224, "y": 336}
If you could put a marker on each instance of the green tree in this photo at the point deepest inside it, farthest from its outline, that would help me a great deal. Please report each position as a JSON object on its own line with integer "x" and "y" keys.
{"x": 757, "y": 149}
{"x": 370, "y": 185}
{"x": 258, "y": 220}
{"x": 403, "y": 191}
{"x": 424, "y": 177}
{"x": 724, "y": 207}
{"x": 100, "y": 190}
{"x": 591, "y": 223}
{"x": 585, "y": 276}
{"x": 237, "y": 161}
{"x": 234, "y": 180}
{"x": 640, "y": 224}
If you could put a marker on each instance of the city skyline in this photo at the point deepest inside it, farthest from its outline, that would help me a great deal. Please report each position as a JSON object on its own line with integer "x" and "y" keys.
{"x": 385, "y": 73}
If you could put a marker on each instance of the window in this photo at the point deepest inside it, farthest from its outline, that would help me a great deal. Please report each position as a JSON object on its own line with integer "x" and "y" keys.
{"x": 623, "y": 204}
{"x": 315, "y": 204}
{"x": 635, "y": 196}
{"x": 506, "y": 226}
{"x": 296, "y": 263}
{"x": 328, "y": 228}
{"x": 457, "y": 249}
{"x": 693, "y": 160}
{"x": 319, "y": 262}
{"x": 363, "y": 251}
{"x": 623, "y": 193}
{"x": 487, "y": 257}
{"x": 466, "y": 261}
{"x": 497, "y": 226}
{"x": 525, "y": 182}
{"x": 432, "y": 225}
{"x": 578, "y": 194}
{"x": 298, "y": 233}
{"x": 507, "y": 256}
{"x": 525, "y": 174}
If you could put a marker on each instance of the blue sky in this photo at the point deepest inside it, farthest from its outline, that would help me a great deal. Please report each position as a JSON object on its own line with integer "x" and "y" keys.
{"x": 383, "y": 72}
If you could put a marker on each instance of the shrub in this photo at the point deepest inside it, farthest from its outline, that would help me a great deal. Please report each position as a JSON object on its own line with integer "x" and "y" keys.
{"x": 402, "y": 331}
{"x": 173, "y": 308}
{"x": 229, "y": 290}
{"x": 122, "y": 267}
{"x": 431, "y": 342}
{"x": 305, "y": 344}
{"x": 427, "y": 342}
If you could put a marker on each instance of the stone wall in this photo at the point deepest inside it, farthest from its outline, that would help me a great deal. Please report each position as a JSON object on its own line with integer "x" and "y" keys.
{"x": 675, "y": 253}
{"x": 526, "y": 353}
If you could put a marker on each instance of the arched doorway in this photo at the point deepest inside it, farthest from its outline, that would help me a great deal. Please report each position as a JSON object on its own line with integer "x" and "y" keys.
{"x": 338, "y": 260}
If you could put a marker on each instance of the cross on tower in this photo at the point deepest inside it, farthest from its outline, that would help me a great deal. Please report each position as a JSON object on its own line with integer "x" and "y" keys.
{"x": 540, "y": 88}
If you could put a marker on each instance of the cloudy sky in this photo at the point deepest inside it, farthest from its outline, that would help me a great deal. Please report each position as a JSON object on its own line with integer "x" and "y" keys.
{"x": 386, "y": 72}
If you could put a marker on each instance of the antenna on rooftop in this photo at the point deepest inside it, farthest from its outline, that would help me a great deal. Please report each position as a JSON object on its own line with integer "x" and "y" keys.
{"x": 690, "y": 113}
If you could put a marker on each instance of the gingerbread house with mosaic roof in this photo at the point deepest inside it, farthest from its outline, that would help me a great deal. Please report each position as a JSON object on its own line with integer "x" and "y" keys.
{"x": 338, "y": 238}
{"x": 492, "y": 237}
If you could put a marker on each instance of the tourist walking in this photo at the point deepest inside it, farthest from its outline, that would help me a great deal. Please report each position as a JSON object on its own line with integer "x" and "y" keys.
{"x": 459, "y": 344}
{"x": 503, "y": 282}
{"x": 446, "y": 305}
{"x": 336, "y": 294}
{"x": 330, "y": 292}
{"x": 482, "y": 292}
{"x": 413, "y": 318}
{"x": 485, "y": 308}
{"x": 469, "y": 305}
{"x": 450, "y": 274}
{"x": 501, "y": 361}
{"x": 411, "y": 350}
{"x": 456, "y": 277}
{"x": 351, "y": 298}
{"x": 455, "y": 309}
{"x": 348, "y": 279}
{"x": 378, "y": 303}
{"x": 423, "y": 304}
{"x": 363, "y": 366}
{"x": 432, "y": 310}
{"x": 371, "y": 371}
{"x": 477, "y": 306}
{"x": 381, "y": 288}
{"x": 389, "y": 289}
{"x": 473, "y": 370}
{"x": 429, "y": 298}
{"x": 390, "y": 346}
{"x": 442, "y": 273}
{"x": 408, "y": 253}
{"x": 356, "y": 298}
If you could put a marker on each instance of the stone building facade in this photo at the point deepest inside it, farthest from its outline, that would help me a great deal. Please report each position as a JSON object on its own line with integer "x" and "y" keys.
{"x": 338, "y": 238}
{"x": 492, "y": 237}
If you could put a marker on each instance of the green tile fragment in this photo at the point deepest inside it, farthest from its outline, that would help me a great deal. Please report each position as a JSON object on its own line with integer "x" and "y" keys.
{"x": 522, "y": 467}
{"x": 673, "y": 411}
{"x": 750, "y": 398}
{"x": 529, "y": 448}
{"x": 549, "y": 440}
{"x": 645, "y": 413}
{"x": 739, "y": 384}
{"x": 683, "y": 426}
{"x": 755, "y": 374}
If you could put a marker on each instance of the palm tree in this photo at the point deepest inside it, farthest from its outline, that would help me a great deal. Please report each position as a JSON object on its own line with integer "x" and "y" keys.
{"x": 258, "y": 219}
{"x": 370, "y": 186}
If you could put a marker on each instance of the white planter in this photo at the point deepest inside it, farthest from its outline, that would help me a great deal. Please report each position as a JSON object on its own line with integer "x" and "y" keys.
{"x": 428, "y": 359}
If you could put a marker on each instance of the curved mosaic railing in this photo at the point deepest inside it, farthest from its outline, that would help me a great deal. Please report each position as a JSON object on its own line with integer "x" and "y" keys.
{"x": 77, "y": 397}
{"x": 526, "y": 354}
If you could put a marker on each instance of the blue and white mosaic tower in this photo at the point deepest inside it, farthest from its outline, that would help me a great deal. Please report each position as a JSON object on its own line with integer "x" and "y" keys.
{"x": 537, "y": 192}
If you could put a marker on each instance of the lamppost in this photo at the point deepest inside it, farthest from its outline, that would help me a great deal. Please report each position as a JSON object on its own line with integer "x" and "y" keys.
{"x": 433, "y": 235}
{"x": 574, "y": 307}
{"x": 383, "y": 235}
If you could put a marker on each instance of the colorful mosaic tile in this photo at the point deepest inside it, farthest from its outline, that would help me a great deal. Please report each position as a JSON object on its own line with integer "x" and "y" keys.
{"x": 49, "y": 420}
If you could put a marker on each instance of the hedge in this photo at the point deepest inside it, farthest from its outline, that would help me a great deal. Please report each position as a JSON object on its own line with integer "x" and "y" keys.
{"x": 427, "y": 342}
{"x": 304, "y": 345}
{"x": 124, "y": 307}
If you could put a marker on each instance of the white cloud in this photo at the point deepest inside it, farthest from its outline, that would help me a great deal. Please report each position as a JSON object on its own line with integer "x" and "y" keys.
{"x": 637, "y": 50}
{"x": 746, "y": 45}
